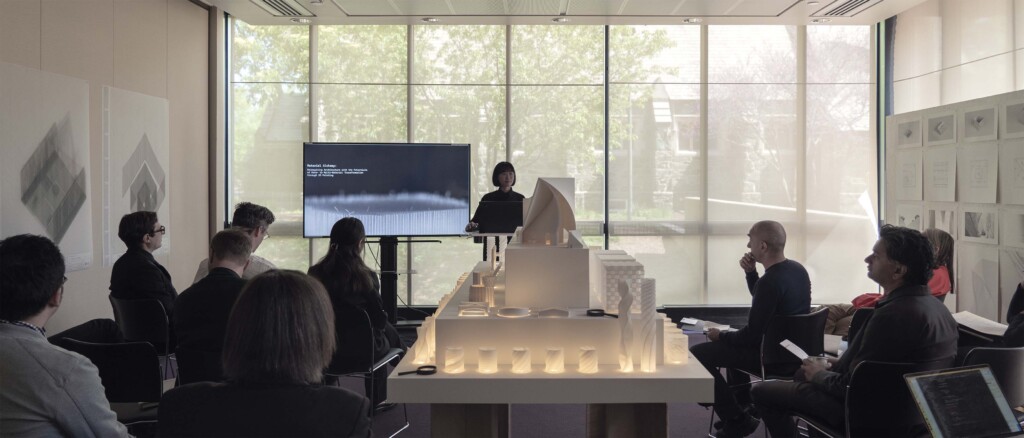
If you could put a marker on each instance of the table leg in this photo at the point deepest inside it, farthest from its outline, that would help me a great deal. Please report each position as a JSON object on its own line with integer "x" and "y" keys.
{"x": 627, "y": 420}
{"x": 465, "y": 420}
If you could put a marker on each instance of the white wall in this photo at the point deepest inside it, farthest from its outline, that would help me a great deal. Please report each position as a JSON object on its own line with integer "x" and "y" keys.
{"x": 155, "y": 47}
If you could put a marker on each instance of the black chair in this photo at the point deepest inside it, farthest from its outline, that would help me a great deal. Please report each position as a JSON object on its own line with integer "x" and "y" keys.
{"x": 198, "y": 366}
{"x": 1007, "y": 365}
{"x": 356, "y": 351}
{"x": 777, "y": 363}
{"x": 860, "y": 317}
{"x": 130, "y": 373}
{"x": 145, "y": 321}
{"x": 878, "y": 403}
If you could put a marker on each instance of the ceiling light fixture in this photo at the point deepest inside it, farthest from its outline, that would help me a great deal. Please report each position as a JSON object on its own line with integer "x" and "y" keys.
{"x": 560, "y": 20}
{"x": 429, "y": 20}
{"x": 692, "y": 20}
{"x": 821, "y": 20}
{"x": 301, "y": 20}
{"x": 812, "y": 3}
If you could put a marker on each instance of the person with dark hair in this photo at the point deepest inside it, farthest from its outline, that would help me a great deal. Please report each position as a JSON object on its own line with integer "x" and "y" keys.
{"x": 785, "y": 289}
{"x": 253, "y": 220}
{"x": 350, "y": 283}
{"x": 941, "y": 282}
{"x": 279, "y": 338}
{"x": 908, "y": 325}
{"x": 201, "y": 311}
{"x": 503, "y": 177}
{"x": 47, "y": 390}
{"x": 1014, "y": 336}
{"x": 137, "y": 275}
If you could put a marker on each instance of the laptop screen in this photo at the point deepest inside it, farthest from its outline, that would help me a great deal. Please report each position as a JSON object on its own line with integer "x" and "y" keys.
{"x": 963, "y": 402}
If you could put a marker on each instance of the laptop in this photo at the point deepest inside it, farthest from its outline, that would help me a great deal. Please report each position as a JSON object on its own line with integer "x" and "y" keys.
{"x": 499, "y": 216}
{"x": 963, "y": 403}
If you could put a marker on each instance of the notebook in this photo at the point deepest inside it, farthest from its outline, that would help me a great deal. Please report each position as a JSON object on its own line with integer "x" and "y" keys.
{"x": 963, "y": 403}
{"x": 499, "y": 216}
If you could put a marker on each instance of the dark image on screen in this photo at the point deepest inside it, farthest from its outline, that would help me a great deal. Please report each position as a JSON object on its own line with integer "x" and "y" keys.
{"x": 395, "y": 189}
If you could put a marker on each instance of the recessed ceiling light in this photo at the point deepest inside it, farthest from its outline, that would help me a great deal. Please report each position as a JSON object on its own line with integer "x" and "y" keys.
{"x": 301, "y": 20}
{"x": 812, "y": 3}
{"x": 821, "y": 20}
{"x": 692, "y": 20}
{"x": 429, "y": 20}
{"x": 560, "y": 20}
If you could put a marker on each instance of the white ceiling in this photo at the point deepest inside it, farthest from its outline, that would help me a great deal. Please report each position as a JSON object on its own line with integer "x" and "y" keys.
{"x": 838, "y": 12}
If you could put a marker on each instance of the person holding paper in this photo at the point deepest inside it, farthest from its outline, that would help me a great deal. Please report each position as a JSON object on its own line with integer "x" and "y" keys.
{"x": 785, "y": 289}
{"x": 908, "y": 325}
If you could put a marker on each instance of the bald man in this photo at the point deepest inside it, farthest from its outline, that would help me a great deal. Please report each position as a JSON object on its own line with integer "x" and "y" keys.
{"x": 785, "y": 289}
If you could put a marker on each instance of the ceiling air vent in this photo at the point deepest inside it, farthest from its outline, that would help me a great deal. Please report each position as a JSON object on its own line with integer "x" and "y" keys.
{"x": 847, "y": 8}
{"x": 283, "y": 8}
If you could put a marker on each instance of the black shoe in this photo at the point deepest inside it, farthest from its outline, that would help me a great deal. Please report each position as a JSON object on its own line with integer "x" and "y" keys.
{"x": 738, "y": 428}
{"x": 750, "y": 410}
{"x": 384, "y": 407}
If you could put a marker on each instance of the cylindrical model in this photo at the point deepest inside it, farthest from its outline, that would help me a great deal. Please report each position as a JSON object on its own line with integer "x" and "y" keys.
{"x": 489, "y": 281}
{"x": 454, "y": 360}
{"x": 487, "y": 361}
{"x": 477, "y": 293}
{"x": 678, "y": 348}
{"x": 419, "y": 349}
{"x": 521, "y": 360}
{"x": 588, "y": 360}
{"x": 554, "y": 363}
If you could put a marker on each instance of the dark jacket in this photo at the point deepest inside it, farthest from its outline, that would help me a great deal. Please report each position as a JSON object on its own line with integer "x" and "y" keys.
{"x": 785, "y": 289}
{"x": 908, "y": 325}
{"x": 137, "y": 275}
{"x": 201, "y": 311}
{"x": 265, "y": 410}
{"x": 1014, "y": 336}
{"x": 499, "y": 196}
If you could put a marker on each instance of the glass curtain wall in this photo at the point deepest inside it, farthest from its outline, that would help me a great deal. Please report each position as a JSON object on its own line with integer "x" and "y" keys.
{"x": 710, "y": 128}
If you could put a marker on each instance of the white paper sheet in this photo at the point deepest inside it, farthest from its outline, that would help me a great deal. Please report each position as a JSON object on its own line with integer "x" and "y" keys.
{"x": 979, "y": 124}
{"x": 910, "y": 216}
{"x": 1012, "y": 119}
{"x": 978, "y": 279}
{"x": 1011, "y": 172}
{"x": 908, "y": 175}
{"x": 979, "y": 324}
{"x": 908, "y": 133}
{"x": 941, "y": 129}
{"x": 977, "y": 171}
{"x": 940, "y": 174}
{"x": 979, "y": 223}
{"x": 942, "y": 216}
{"x": 1011, "y": 226}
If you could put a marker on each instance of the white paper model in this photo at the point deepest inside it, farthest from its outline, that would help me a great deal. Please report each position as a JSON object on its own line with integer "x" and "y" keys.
{"x": 521, "y": 360}
{"x": 648, "y": 329}
{"x": 625, "y": 328}
{"x": 454, "y": 360}
{"x": 909, "y": 133}
{"x": 549, "y": 212}
{"x": 941, "y": 129}
{"x": 487, "y": 360}
{"x": 554, "y": 363}
{"x": 588, "y": 360}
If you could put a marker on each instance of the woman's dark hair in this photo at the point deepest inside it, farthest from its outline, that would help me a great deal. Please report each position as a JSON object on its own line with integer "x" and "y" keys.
{"x": 135, "y": 226}
{"x": 342, "y": 270}
{"x": 909, "y": 248}
{"x": 501, "y": 168}
{"x": 281, "y": 329}
{"x": 942, "y": 243}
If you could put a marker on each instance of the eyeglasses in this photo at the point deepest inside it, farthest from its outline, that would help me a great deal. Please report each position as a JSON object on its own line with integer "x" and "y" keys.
{"x": 161, "y": 230}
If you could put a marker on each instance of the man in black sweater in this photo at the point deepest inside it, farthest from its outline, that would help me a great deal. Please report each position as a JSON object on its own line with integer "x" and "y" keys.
{"x": 908, "y": 325}
{"x": 785, "y": 289}
{"x": 202, "y": 309}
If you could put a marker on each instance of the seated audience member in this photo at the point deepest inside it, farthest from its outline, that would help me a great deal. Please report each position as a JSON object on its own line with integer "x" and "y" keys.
{"x": 785, "y": 289}
{"x": 201, "y": 311}
{"x": 908, "y": 325}
{"x": 350, "y": 283}
{"x": 941, "y": 282}
{"x": 46, "y": 390}
{"x": 279, "y": 338}
{"x": 253, "y": 220}
{"x": 136, "y": 274}
{"x": 1014, "y": 336}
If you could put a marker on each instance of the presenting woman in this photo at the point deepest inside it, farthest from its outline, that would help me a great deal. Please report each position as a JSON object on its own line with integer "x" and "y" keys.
{"x": 350, "y": 283}
{"x": 503, "y": 177}
{"x": 279, "y": 338}
{"x": 942, "y": 277}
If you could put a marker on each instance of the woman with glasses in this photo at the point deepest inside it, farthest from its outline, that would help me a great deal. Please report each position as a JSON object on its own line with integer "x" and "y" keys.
{"x": 136, "y": 274}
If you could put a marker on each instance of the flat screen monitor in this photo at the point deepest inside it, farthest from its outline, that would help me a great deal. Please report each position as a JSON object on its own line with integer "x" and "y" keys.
{"x": 395, "y": 189}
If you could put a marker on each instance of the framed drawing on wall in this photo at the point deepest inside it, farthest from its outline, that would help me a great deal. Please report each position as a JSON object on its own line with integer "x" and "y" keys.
{"x": 910, "y": 216}
{"x": 1012, "y": 115}
{"x": 941, "y": 129}
{"x": 979, "y": 224}
{"x": 980, "y": 124}
{"x": 908, "y": 133}
{"x": 941, "y": 216}
{"x": 1012, "y": 221}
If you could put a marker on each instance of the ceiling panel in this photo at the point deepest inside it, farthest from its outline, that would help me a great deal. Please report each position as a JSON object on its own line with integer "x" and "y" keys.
{"x": 595, "y": 7}
{"x": 421, "y": 7}
{"x": 535, "y": 7}
{"x": 480, "y": 7}
{"x": 362, "y": 7}
{"x": 761, "y": 8}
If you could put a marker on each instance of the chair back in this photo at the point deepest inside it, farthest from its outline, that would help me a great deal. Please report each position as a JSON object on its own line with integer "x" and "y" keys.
{"x": 860, "y": 317}
{"x": 803, "y": 330}
{"x": 130, "y": 371}
{"x": 198, "y": 366}
{"x": 878, "y": 401}
{"x": 356, "y": 347}
{"x": 1007, "y": 365}
{"x": 142, "y": 320}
